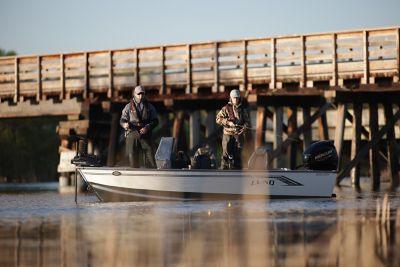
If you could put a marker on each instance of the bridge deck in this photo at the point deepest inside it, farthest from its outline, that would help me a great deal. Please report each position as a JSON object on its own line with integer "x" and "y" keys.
{"x": 302, "y": 61}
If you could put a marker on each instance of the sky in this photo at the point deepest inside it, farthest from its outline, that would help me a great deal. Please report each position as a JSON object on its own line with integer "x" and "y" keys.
{"x": 32, "y": 27}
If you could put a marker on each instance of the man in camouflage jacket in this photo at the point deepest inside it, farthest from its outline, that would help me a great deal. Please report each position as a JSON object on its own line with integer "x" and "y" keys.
{"x": 235, "y": 119}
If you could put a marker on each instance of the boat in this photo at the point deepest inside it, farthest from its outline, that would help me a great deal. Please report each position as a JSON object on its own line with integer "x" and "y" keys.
{"x": 316, "y": 180}
{"x": 129, "y": 184}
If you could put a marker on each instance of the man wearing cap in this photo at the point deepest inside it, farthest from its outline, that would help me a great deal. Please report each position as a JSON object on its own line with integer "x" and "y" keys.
{"x": 139, "y": 118}
{"x": 235, "y": 119}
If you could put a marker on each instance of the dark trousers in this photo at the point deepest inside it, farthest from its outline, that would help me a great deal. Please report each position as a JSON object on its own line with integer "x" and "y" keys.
{"x": 232, "y": 146}
{"x": 136, "y": 144}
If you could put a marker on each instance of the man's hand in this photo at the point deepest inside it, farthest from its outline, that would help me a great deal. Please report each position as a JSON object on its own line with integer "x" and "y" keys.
{"x": 144, "y": 130}
{"x": 125, "y": 125}
{"x": 231, "y": 124}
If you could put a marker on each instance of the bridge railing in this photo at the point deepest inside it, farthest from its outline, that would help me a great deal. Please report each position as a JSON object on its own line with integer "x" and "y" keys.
{"x": 265, "y": 62}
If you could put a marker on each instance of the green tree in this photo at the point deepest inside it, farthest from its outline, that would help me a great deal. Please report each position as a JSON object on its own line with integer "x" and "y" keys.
{"x": 4, "y": 53}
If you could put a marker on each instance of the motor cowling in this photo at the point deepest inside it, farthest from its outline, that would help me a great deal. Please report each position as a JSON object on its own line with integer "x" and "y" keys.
{"x": 321, "y": 155}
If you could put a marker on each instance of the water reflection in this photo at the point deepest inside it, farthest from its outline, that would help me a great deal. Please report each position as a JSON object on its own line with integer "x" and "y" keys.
{"x": 341, "y": 232}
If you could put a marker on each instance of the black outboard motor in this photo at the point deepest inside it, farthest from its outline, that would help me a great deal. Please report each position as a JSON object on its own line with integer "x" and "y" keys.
{"x": 321, "y": 155}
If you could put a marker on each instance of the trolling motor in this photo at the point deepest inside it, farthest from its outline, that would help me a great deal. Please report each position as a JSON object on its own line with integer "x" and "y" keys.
{"x": 82, "y": 157}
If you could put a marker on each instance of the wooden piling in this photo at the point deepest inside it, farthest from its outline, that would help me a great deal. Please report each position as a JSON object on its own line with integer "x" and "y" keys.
{"x": 260, "y": 127}
{"x": 113, "y": 139}
{"x": 393, "y": 160}
{"x": 374, "y": 153}
{"x": 292, "y": 126}
{"x": 339, "y": 134}
{"x": 307, "y": 132}
{"x": 194, "y": 129}
{"x": 356, "y": 142}
{"x": 278, "y": 132}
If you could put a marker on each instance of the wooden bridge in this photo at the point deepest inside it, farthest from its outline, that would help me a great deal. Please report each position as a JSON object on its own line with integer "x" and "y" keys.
{"x": 308, "y": 72}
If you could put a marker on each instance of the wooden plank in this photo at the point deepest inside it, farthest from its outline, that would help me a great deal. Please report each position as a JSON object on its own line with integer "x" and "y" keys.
{"x": 365, "y": 79}
{"x": 386, "y": 53}
{"x": 209, "y": 54}
{"x": 335, "y": 75}
{"x": 356, "y": 142}
{"x": 201, "y": 76}
{"x": 196, "y": 65}
{"x": 244, "y": 63}
{"x": 264, "y": 51}
{"x": 325, "y": 46}
{"x": 136, "y": 66}
{"x": 189, "y": 69}
{"x": 172, "y": 79}
{"x": 272, "y": 84}
{"x": 317, "y": 69}
{"x": 237, "y": 54}
{"x": 7, "y": 89}
{"x": 7, "y": 77}
{"x": 110, "y": 92}
{"x": 258, "y": 72}
{"x": 382, "y": 42}
{"x": 216, "y": 71}
{"x": 7, "y": 60}
{"x": 117, "y": 62}
{"x": 6, "y": 68}
{"x": 318, "y": 57}
{"x": 303, "y": 81}
{"x": 39, "y": 80}
{"x": 374, "y": 153}
{"x": 176, "y": 57}
{"x": 62, "y": 76}
{"x": 72, "y": 83}
{"x": 124, "y": 80}
{"x": 46, "y": 85}
{"x": 162, "y": 89}
{"x": 28, "y": 76}
{"x": 99, "y": 71}
{"x": 398, "y": 54}
{"x": 16, "y": 79}
{"x": 252, "y": 61}
{"x": 288, "y": 71}
{"x": 231, "y": 74}
{"x": 355, "y": 55}
{"x": 235, "y": 63}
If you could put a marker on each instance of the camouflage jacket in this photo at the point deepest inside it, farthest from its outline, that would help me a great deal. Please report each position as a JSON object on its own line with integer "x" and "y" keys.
{"x": 239, "y": 115}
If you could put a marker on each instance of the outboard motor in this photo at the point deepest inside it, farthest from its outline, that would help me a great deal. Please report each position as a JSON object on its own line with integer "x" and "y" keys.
{"x": 204, "y": 158}
{"x": 321, "y": 155}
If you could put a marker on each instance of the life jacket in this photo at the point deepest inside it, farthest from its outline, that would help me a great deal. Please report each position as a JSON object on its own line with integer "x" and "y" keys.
{"x": 146, "y": 112}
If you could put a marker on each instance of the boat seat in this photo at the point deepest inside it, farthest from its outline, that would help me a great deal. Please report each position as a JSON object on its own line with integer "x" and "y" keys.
{"x": 259, "y": 159}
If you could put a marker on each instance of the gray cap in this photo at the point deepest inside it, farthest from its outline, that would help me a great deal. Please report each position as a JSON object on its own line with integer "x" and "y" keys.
{"x": 234, "y": 93}
{"x": 139, "y": 89}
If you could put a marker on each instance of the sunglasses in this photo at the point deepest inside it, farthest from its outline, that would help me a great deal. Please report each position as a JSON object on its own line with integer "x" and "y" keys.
{"x": 140, "y": 94}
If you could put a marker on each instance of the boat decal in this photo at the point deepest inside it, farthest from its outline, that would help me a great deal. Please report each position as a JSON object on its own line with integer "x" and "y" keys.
{"x": 286, "y": 180}
{"x": 116, "y": 173}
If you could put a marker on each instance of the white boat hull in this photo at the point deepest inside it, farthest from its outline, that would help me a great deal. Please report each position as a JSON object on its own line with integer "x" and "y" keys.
{"x": 126, "y": 184}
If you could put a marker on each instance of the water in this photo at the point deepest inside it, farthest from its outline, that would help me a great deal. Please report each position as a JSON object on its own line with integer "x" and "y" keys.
{"x": 40, "y": 227}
